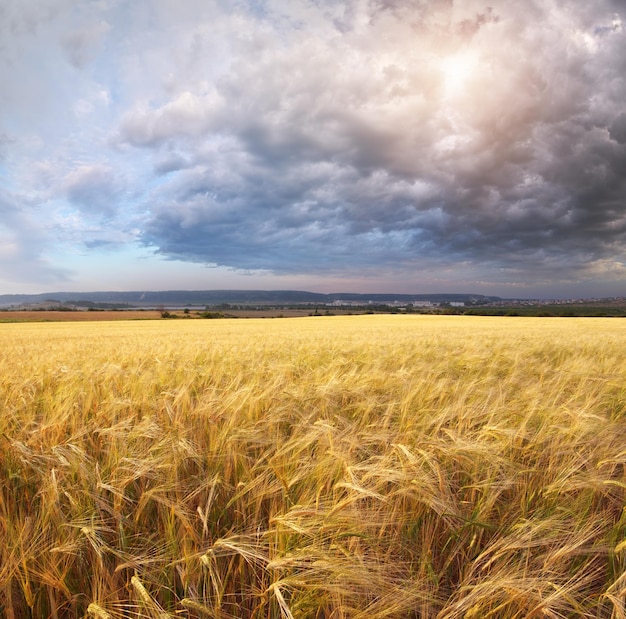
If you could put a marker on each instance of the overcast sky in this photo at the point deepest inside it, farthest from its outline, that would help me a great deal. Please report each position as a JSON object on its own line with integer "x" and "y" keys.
{"x": 360, "y": 145}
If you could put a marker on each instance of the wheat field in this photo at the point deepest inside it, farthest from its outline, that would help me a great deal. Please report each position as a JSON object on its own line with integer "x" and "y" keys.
{"x": 339, "y": 467}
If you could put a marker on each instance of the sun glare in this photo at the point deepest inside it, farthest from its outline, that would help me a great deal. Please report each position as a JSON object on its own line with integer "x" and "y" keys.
{"x": 457, "y": 69}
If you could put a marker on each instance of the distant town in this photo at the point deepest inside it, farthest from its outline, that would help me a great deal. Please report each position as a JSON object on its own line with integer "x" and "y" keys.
{"x": 245, "y": 303}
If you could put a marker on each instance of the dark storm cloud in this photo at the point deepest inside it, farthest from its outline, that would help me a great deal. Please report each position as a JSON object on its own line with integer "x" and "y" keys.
{"x": 359, "y": 149}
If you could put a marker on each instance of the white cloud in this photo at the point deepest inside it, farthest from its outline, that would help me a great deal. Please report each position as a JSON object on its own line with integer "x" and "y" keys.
{"x": 25, "y": 244}
{"x": 187, "y": 115}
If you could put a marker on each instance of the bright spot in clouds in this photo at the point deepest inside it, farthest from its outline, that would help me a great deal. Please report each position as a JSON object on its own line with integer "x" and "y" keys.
{"x": 457, "y": 70}
{"x": 365, "y": 145}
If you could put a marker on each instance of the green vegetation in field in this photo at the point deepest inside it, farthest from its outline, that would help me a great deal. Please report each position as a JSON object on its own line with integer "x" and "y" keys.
{"x": 351, "y": 467}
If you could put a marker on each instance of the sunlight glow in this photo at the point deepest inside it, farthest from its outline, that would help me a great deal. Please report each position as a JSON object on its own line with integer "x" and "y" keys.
{"x": 457, "y": 69}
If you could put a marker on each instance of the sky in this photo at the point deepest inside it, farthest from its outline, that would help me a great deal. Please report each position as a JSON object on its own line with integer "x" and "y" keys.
{"x": 407, "y": 146}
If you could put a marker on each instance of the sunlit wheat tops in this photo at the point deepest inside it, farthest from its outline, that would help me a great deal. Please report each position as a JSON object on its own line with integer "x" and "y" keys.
{"x": 340, "y": 467}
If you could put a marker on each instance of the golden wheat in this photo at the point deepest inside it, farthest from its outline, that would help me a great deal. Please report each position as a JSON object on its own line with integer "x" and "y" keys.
{"x": 336, "y": 467}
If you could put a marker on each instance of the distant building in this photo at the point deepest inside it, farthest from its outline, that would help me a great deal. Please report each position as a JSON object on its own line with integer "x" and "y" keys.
{"x": 342, "y": 303}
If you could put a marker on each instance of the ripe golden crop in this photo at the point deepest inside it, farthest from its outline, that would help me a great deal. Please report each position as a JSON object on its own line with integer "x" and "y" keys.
{"x": 344, "y": 467}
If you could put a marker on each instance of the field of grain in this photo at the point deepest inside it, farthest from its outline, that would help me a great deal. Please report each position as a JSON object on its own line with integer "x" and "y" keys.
{"x": 361, "y": 467}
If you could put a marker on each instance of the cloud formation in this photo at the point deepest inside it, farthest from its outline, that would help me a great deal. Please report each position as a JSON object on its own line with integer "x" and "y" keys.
{"x": 24, "y": 244}
{"x": 93, "y": 189}
{"x": 335, "y": 138}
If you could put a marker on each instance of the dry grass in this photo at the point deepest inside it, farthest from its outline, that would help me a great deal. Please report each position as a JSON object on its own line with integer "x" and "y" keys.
{"x": 347, "y": 467}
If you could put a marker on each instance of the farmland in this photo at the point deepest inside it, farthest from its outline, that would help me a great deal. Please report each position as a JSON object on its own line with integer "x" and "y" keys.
{"x": 338, "y": 467}
{"x": 75, "y": 316}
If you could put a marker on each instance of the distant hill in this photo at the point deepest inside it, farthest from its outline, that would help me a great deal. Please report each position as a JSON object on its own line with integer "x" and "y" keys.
{"x": 181, "y": 298}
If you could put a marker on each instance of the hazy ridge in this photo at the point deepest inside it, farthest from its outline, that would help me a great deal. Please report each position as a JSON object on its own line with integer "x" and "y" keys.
{"x": 212, "y": 297}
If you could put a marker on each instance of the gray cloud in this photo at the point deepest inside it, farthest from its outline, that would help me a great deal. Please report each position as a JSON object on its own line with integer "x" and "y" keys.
{"x": 94, "y": 189}
{"x": 360, "y": 149}
{"x": 82, "y": 45}
{"x": 617, "y": 130}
